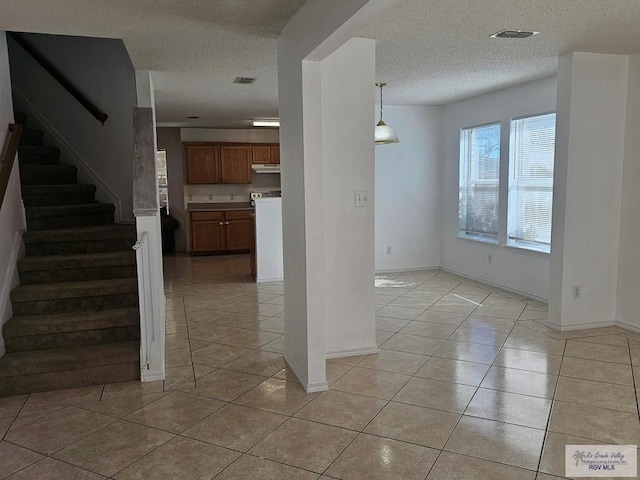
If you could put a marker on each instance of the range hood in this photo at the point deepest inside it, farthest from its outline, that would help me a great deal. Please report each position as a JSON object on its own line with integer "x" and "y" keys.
{"x": 271, "y": 168}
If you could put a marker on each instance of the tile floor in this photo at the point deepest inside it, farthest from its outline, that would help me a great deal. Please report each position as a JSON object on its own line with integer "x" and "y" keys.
{"x": 469, "y": 384}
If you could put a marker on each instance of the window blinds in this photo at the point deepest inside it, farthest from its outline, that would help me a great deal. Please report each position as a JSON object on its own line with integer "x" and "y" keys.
{"x": 479, "y": 179}
{"x": 531, "y": 179}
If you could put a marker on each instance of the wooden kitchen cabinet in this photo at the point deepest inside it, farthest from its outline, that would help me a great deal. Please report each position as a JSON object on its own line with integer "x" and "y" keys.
{"x": 225, "y": 231}
{"x": 265, "y": 154}
{"x": 235, "y": 164}
{"x": 203, "y": 164}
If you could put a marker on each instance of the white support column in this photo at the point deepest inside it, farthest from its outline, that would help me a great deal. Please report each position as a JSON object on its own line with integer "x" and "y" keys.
{"x": 149, "y": 246}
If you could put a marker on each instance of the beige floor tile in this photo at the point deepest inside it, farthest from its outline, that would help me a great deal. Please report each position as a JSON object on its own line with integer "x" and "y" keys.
{"x": 197, "y": 344}
{"x": 533, "y": 314}
{"x": 175, "y": 412}
{"x": 28, "y": 415}
{"x": 180, "y": 459}
{"x": 235, "y": 427}
{"x": 509, "y": 311}
{"x": 452, "y": 397}
{"x": 5, "y": 423}
{"x": 488, "y": 323}
{"x": 249, "y": 338}
{"x": 419, "y": 303}
{"x": 393, "y": 361}
{"x": 405, "y": 313}
{"x": 10, "y": 406}
{"x": 249, "y": 466}
{"x": 479, "y": 335}
{"x": 535, "y": 344}
{"x": 216, "y": 355}
{"x": 176, "y": 327}
{"x": 453, "y": 371}
{"x": 212, "y": 332}
{"x": 597, "y": 394}
{"x": 342, "y": 409}
{"x": 304, "y": 444}
{"x": 592, "y": 351}
{"x": 426, "y": 329}
{"x": 288, "y": 375}
{"x": 497, "y": 442}
{"x": 335, "y": 371}
{"x": 61, "y": 398}
{"x": 382, "y": 337}
{"x": 388, "y": 324}
{"x": 130, "y": 389}
{"x": 273, "y": 325}
{"x": 57, "y": 430}
{"x": 352, "y": 360}
{"x": 536, "y": 326}
{"x": 520, "y": 381}
{"x": 544, "y": 476}
{"x": 14, "y": 458}
{"x": 468, "y": 352}
{"x": 374, "y": 458}
{"x": 122, "y": 406}
{"x": 114, "y": 447}
{"x": 510, "y": 408}
{"x": 597, "y": 371}
{"x": 176, "y": 340}
{"x": 179, "y": 378}
{"x": 454, "y": 308}
{"x": 200, "y": 371}
{"x": 178, "y": 357}
{"x": 531, "y": 361}
{"x": 635, "y": 357}
{"x": 226, "y": 385}
{"x": 412, "y": 344}
{"x": 373, "y": 383}
{"x": 413, "y": 424}
{"x": 553, "y": 453}
{"x": 600, "y": 424}
{"x": 52, "y": 469}
{"x": 451, "y": 466}
{"x": 441, "y": 318}
{"x": 258, "y": 363}
{"x": 276, "y": 345}
{"x": 277, "y": 396}
{"x": 616, "y": 340}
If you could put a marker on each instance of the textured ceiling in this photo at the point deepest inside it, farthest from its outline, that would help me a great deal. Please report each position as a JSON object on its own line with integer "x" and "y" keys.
{"x": 429, "y": 51}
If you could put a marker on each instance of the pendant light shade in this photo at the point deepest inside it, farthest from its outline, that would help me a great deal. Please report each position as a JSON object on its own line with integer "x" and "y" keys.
{"x": 384, "y": 134}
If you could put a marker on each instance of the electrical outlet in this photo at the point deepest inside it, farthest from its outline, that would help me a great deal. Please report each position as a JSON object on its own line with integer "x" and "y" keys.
{"x": 388, "y": 250}
{"x": 232, "y": 196}
{"x": 361, "y": 199}
{"x": 576, "y": 291}
{"x": 490, "y": 259}
{"x": 210, "y": 196}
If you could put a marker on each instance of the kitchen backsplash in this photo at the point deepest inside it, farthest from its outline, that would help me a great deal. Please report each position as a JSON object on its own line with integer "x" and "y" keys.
{"x": 230, "y": 193}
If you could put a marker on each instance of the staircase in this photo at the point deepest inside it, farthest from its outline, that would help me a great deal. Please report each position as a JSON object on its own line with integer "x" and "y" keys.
{"x": 76, "y": 319}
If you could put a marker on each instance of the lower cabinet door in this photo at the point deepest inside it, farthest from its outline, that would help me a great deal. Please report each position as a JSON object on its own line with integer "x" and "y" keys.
{"x": 239, "y": 234}
{"x": 207, "y": 236}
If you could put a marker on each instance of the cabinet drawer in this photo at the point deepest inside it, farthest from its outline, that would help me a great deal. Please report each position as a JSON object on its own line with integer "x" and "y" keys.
{"x": 207, "y": 215}
{"x": 238, "y": 214}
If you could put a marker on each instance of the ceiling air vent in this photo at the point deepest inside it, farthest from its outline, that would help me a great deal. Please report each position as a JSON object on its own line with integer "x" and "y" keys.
{"x": 512, "y": 33}
{"x": 244, "y": 80}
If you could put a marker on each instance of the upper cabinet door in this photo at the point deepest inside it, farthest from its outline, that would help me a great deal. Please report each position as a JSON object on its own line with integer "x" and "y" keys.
{"x": 235, "y": 164}
{"x": 260, "y": 154}
{"x": 275, "y": 154}
{"x": 203, "y": 164}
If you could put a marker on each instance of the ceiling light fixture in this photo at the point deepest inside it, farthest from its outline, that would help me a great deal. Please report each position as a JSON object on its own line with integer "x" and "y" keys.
{"x": 513, "y": 33}
{"x": 384, "y": 134}
{"x": 265, "y": 122}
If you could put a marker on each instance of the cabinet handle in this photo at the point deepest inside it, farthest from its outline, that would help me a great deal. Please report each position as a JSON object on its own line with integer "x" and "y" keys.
{"x": 226, "y": 223}
{"x": 221, "y": 223}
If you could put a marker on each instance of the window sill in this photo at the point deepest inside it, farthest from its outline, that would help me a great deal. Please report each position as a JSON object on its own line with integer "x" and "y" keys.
{"x": 529, "y": 248}
{"x": 479, "y": 239}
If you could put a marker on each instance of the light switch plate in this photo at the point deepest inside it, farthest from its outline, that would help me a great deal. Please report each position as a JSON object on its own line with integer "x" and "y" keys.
{"x": 361, "y": 199}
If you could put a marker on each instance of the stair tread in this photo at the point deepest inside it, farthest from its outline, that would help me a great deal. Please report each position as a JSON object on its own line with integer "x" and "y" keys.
{"x": 68, "y": 210}
{"x": 40, "y": 150}
{"x": 69, "y": 322}
{"x": 71, "y": 358}
{"x": 76, "y": 260}
{"x": 98, "y": 232}
{"x": 49, "y": 291}
{"x": 48, "y": 169}
{"x": 58, "y": 189}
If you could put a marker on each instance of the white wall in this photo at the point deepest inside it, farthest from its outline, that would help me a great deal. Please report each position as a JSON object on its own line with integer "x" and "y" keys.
{"x": 587, "y": 192}
{"x": 12, "y": 222}
{"x": 102, "y": 70}
{"x": 169, "y": 140}
{"x": 515, "y": 269}
{"x": 628, "y": 312}
{"x": 408, "y": 190}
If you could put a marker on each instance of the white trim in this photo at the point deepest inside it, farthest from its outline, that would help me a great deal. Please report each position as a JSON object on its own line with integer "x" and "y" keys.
{"x": 151, "y": 377}
{"x": 494, "y": 284}
{"x": 269, "y": 280}
{"x": 71, "y": 154}
{"x": 308, "y": 387}
{"x": 582, "y": 326}
{"x": 633, "y": 328}
{"x": 352, "y": 352}
{"x": 412, "y": 269}
{"x": 7, "y": 284}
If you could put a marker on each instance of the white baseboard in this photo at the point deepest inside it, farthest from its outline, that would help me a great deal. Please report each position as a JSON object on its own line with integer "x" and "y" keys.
{"x": 352, "y": 352}
{"x": 402, "y": 270}
{"x": 581, "y": 326}
{"x": 308, "y": 387}
{"x": 151, "y": 376}
{"x": 269, "y": 280}
{"x": 7, "y": 282}
{"x": 633, "y": 328}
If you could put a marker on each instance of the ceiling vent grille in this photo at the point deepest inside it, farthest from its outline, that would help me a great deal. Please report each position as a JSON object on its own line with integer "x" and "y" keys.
{"x": 244, "y": 80}
{"x": 511, "y": 33}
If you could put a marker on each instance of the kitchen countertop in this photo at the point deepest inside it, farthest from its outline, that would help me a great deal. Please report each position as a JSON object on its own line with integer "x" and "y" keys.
{"x": 216, "y": 207}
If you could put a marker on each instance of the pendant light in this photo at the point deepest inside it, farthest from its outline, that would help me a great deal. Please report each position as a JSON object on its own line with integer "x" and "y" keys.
{"x": 384, "y": 134}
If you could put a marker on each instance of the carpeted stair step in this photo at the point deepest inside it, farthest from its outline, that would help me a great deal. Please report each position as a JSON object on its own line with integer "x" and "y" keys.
{"x": 37, "y": 155}
{"x": 31, "y": 137}
{"x": 63, "y": 216}
{"x": 77, "y": 267}
{"x": 51, "y": 195}
{"x": 52, "y": 298}
{"x": 94, "y": 239}
{"x": 30, "y": 372}
{"x": 47, "y": 174}
{"x": 41, "y": 332}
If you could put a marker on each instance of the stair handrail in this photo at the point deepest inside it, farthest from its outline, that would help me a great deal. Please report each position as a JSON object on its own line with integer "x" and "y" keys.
{"x": 60, "y": 78}
{"x": 15, "y": 130}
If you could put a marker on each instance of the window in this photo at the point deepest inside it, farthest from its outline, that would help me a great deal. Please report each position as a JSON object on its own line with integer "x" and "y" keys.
{"x": 531, "y": 181}
{"x": 163, "y": 188}
{"x": 479, "y": 180}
